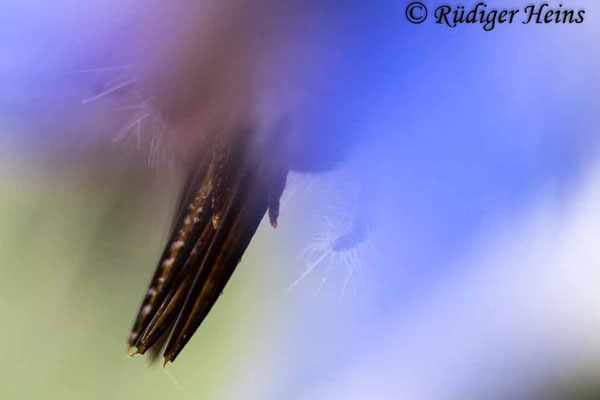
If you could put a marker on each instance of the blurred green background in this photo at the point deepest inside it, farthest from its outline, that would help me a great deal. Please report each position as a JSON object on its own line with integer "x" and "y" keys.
{"x": 77, "y": 248}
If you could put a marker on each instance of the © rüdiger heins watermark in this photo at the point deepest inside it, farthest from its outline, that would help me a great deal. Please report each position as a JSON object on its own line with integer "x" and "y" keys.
{"x": 453, "y": 16}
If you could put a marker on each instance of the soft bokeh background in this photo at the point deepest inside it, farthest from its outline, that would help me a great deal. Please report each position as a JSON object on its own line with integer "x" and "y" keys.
{"x": 479, "y": 278}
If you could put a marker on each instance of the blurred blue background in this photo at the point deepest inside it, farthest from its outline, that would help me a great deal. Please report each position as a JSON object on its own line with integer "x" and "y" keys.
{"x": 479, "y": 275}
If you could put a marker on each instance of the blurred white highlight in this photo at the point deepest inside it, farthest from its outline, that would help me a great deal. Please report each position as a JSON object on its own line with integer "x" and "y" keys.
{"x": 524, "y": 314}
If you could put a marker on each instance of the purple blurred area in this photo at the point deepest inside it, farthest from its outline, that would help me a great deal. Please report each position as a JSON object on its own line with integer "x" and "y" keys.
{"x": 474, "y": 162}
